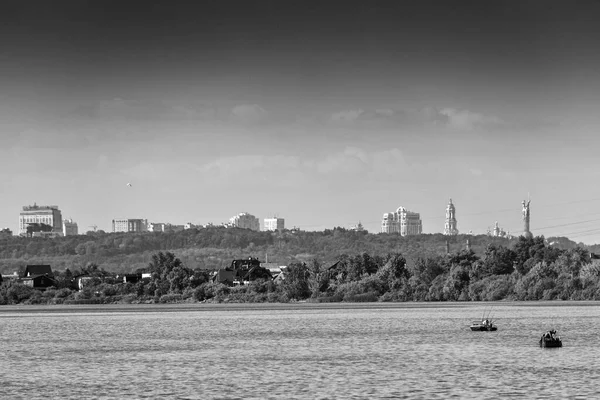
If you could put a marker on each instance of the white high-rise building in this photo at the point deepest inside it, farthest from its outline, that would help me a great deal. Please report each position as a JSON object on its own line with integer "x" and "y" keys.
{"x": 274, "y": 224}
{"x": 246, "y": 221}
{"x": 450, "y": 226}
{"x": 70, "y": 228}
{"x": 403, "y": 222}
{"x": 48, "y": 215}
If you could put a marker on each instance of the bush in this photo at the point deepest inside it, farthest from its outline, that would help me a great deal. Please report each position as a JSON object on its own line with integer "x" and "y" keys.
{"x": 129, "y": 299}
{"x": 209, "y": 290}
{"x": 362, "y": 297}
{"x": 36, "y": 298}
{"x": 170, "y": 298}
{"x": 277, "y": 297}
{"x": 336, "y": 298}
{"x": 63, "y": 293}
{"x": 18, "y": 293}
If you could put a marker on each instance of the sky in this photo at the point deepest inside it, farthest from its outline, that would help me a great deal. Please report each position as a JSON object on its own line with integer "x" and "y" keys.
{"x": 323, "y": 113}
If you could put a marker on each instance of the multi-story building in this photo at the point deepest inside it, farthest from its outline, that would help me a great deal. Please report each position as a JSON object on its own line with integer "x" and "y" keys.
{"x": 70, "y": 228}
{"x": 48, "y": 215}
{"x": 129, "y": 225}
{"x": 274, "y": 224}
{"x": 450, "y": 226}
{"x": 162, "y": 227}
{"x": 155, "y": 227}
{"x": 246, "y": 221}
{"x": 403, "y": 222}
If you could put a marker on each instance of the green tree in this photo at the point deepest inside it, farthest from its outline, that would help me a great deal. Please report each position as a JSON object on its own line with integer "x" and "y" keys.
{"x": 169, "y": 274}
{"x": 498, "y": 260}
{"x": 527, "y": 248}
{"x": 393, "y": 274}
{"x": 571, "y": 261}
{"x": 318, "y": 277}
{"x": 295, "y": 281}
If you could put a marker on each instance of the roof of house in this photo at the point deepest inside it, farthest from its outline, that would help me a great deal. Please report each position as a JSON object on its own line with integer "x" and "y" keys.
{"x": 245, "y": 263}
{"x": 32, "y": 270}
{"x": 334, "y": 265}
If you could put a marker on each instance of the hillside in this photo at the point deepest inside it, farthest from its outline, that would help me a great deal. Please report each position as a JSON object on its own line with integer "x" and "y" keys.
{"x": 215, "y": 247}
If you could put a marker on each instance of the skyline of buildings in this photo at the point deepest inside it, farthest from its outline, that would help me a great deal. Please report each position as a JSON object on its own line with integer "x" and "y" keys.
{"x": 402, "y": 222}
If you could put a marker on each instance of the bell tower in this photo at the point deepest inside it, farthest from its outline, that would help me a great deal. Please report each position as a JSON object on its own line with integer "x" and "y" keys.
{"x": 450, "y": 226}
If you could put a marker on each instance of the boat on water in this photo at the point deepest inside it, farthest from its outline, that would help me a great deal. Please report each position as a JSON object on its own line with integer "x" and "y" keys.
{"x": 549, "y": 339}
{"x": 483, "y": 325}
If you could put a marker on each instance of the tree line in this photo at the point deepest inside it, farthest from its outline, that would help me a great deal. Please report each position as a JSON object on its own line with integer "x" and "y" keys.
{"x": 215, "y": 247}
{"x": 526, "y": 269}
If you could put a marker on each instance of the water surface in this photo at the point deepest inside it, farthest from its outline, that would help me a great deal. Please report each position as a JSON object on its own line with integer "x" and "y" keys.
{"x": 302, "y": 351}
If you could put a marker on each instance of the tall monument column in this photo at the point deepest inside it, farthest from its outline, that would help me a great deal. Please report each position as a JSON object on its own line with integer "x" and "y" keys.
{"x": 526, "y": 216}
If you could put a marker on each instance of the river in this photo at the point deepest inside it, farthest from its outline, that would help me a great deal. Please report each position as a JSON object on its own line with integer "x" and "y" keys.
{"x": 298, "y": 351}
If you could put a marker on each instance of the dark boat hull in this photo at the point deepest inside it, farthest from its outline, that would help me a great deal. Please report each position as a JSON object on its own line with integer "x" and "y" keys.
{"x": 550, "y": 343}
{"x": 483, "y": 328}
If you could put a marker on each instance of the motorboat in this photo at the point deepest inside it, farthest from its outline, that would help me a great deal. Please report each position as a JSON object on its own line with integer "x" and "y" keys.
{"x": 483, "y": 325}
{"x": 549, "y": 339}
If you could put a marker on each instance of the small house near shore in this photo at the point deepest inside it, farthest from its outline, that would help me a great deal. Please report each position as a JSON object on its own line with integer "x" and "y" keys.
{"x": 242, "y": 272}
{"x": 38, "y": 277}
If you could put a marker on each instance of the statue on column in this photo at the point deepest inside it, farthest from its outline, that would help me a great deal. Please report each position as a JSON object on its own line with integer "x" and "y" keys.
{"x": 526, "y": 216}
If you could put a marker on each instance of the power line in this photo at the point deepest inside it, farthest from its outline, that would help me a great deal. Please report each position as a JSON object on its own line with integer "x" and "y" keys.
{"x": 497, "y": 211}
{"x": 569, "y": 224}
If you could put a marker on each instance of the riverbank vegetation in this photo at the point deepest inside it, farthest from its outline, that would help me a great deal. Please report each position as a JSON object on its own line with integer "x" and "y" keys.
{"x": 522, "y": 269}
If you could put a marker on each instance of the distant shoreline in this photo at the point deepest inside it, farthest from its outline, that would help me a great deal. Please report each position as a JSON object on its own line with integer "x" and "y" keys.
{"x": 207, "y": 307}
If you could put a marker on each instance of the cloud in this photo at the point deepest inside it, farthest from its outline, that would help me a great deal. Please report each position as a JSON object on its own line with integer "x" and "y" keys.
{"x": 351, "y": 160}
{"x": 233, "y": 165}
{"x": 49, "y": 138}
{"x": 386, "y": 163}
{"x": 468, "y": 120}
{"x": 133, "y": 109}
{"x": 347, "y": 116}
{"x": 389, "y": 163}
{"x": 379, "y": 118}
{"x": 248, "y": 114}
{"x": 267, "y": 172}
{"x": 249, "y": 166}
{"x": 377, "y": 165}
{"x": 186, "y": 112}
{"x": 390, "y": 118}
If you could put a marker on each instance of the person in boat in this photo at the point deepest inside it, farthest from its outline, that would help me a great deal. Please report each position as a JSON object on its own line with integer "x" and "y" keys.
{"x": 550, "y": 334}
